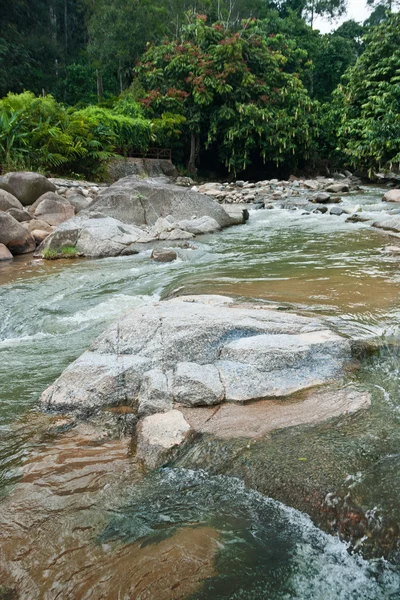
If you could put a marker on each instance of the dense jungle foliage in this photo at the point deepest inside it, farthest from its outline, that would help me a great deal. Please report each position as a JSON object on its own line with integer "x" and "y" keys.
{"x": 228, "y": 85}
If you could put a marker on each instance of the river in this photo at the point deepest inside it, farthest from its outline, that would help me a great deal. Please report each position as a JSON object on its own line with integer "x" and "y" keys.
{"x": 228, "y": 519}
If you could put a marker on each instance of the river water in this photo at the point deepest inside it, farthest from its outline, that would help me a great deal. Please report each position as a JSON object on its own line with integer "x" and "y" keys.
{"x": 78, "y": 519}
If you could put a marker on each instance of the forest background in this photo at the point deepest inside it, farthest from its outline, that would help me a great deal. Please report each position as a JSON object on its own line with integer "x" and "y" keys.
{"x": 230, "y": 86}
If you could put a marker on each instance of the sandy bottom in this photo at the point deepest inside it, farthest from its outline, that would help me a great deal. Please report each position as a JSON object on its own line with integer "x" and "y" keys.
{"x": 51, "y": 522}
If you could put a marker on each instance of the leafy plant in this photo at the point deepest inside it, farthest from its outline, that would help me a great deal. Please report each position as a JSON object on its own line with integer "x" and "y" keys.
{"x": 369, "y": 100}
{"x": 235, "y": 92}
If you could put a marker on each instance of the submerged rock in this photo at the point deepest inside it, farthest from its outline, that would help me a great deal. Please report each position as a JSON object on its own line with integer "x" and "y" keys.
{"x": 204, "y": 350}
{"x": 164, "y": 255}
{"x": 259, "y": 418}
{"x": 158, "y": 434}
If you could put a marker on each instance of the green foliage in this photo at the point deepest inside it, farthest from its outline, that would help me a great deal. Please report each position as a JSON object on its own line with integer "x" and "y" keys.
{"x": 49, "y": 254}
{"x": 69, "y": 252}
{"x": 41, "y": 134}
{"x": 369, "y": 126}
{"x": 234, "y": 90}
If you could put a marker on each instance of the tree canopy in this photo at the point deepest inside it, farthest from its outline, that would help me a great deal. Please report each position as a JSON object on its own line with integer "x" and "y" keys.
{"x": 241, "y": 81}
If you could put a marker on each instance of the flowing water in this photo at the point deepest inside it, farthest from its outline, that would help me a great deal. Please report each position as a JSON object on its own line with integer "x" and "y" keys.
{"x": 78, "y": 519}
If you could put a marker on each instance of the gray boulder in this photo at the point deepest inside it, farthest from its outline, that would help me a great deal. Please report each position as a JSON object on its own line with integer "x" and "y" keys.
{"x": 337, "y": 211}
{"x": 142, "y": 202}
{"x": 388, "y": 223}
{"x": 321, "y": 198}
{"x": 338, "y": 188}
{"x": 39, "y": 235}
{"x": 8, "y": 201}
{"x": 392, "y": 196}
{"x": 21, "y": 215}
{"x": 27, "y": 187}
{"x": 79, "y": 202}
{"x": 164, "y": 255}
{"x": 52, "y": 209}
{"x": 38, "y": 224}
{"x": 95, "y": 237}
{"x": 15, "y": 236}
{"x": 4, "y": 186}
{"x": 199, "y": 351}
{"x": 157, "y": 436}
{"x": 5, "y": 254}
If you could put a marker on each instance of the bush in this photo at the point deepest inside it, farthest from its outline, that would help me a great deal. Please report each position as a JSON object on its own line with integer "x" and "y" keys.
{"x": 40, "y": 134}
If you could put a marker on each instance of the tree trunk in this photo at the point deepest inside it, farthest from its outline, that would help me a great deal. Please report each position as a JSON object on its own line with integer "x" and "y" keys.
{"x": 193, "y": 152}
{"x": 99, "y": 86}
{"x": 66, "y": 27}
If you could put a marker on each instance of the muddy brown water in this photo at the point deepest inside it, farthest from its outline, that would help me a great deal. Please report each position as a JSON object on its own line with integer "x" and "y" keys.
{"x": 78, "y": 517}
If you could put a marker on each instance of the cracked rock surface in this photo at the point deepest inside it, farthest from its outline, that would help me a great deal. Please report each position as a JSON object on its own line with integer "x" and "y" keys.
{"x": 199, "y": 351}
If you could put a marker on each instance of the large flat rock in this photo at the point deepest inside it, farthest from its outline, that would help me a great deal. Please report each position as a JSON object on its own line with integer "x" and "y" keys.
{"x": 199, "y": 351}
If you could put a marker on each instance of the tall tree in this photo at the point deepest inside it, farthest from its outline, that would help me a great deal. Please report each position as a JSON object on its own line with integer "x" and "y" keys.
{"x": 369, "y": 101}
{"x": 234, "y": 90}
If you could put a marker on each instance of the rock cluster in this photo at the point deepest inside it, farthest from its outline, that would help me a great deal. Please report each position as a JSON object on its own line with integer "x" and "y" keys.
{"x": 132, "y": 212}
{"x": 320, "y": 190}
{"x": 32, "y": 206}
{"x": 192, "y": 352}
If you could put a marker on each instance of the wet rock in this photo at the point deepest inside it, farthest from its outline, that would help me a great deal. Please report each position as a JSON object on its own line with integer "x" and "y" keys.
{"x": 195, "y": 226}
{"x": 5, "y": 254}
{"x": 321, "y": 209}
{"x": 199, "y": 226}
{"x": 21, "y": 216}
{"x": 27, "y": 186}
{"x": 310, "y": 184}
{"x": 257, "y": 353}
{"x": 164, "y": 255}
{"x": 53, "y": 209}
{"x": 176, "y": 234}
{"x": 157, "y": 435}
{"x": 257, "y": 419}
{"x": 15, "y": 236}
{"x": 8, "y": 201}
{"x": 321, "y": 198}
{"x": 393, "y": 250}
{"x": 338, "y": 188}
{"x": 392, "y": 196}
{"x": 337, "y": 211}
{"x": 388, "y": 223}
{"x": 94, "y": 237}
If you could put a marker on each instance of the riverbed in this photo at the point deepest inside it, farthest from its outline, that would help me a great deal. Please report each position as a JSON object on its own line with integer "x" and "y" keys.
{"x": 228, "y": 518}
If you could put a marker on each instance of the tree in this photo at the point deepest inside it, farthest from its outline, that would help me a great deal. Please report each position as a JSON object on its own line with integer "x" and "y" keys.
{"x": 369, "y": 101}
{"x": 387, "y": 4}
{"x": 309, "y": 9}
{"x": 234, "y": 90}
